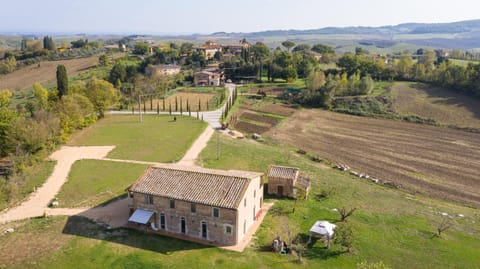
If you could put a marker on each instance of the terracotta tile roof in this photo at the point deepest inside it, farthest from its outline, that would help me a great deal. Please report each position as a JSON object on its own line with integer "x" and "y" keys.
{"x": 283, "y": 172}
{"x": 194, "y": 184}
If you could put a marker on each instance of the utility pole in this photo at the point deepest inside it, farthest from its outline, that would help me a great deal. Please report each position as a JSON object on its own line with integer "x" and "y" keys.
{"x": 139, "y": 106}
{"x": 218, "y": 145}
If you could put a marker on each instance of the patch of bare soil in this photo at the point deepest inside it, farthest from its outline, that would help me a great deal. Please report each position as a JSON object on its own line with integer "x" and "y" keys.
{"x": 43, "y": 72}
{"x": 436, "y": 161}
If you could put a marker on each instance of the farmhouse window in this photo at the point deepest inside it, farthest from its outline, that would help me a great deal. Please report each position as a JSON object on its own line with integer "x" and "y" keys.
{"x": 172, "y": 204}
{"x": 148, "y": 199}
{"x": 162, "y": 221}
{"x": 193, "y": 208}
{"x": 216, "y": 212}
{"x": 228, "y": 229}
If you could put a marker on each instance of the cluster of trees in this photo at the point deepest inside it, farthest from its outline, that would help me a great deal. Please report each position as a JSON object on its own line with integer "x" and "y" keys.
{"x": 322, "y": 89}
{"x": 85, "y": 44}
{"x": 123, "y": 72}
{"x": 48, "y": 43}
{"x": 50, "y": 116}
{"x": 427, "y": 67}
{"x": 8, "y": 65}
{"x": 183, "y": 55}
{"x": 33, "y": 51}
{"x": 295, "y": 61}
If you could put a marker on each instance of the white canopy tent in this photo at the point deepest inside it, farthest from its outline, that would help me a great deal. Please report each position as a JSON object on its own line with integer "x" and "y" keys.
{"x": 322, "y": 228}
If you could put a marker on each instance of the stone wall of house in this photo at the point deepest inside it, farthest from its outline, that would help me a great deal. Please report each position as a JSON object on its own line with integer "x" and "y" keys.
{"x": 287, "y": 184}
{"x": 216, "y": 227}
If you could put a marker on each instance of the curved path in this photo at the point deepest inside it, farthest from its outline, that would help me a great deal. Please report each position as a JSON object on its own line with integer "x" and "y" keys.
{"x": 37, "y": 204}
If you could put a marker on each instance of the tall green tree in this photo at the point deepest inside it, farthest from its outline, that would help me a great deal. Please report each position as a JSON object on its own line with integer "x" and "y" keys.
{"x": 288, "y": 44}
{"x": 102, "y": 94}
{"x": 48, "y": 43}
{"x": 41, "y": 95}
{"x": 62, "y": 81}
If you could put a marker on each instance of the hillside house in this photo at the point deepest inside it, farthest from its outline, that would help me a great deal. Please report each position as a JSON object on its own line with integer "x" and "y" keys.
{"x": 286, "y": 181}
{"x": 208, "y": 78}
{"x": 203, "y": 205}
{"x": 209, "y": 49}
{"x": 162, "y": 70}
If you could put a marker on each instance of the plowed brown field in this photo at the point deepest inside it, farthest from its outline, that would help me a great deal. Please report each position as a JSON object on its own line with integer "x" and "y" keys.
{"x": 25, "y": 77}
{"x": 436, "y": 161}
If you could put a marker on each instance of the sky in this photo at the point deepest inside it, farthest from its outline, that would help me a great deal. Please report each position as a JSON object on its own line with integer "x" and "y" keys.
{"x": 208, "y": 16}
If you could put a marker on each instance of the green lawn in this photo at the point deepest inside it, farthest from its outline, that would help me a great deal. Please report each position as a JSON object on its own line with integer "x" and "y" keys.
{"x": 156, "y": 139}
{"x": 109, "y": 180}
{"x": 389, "y": 226}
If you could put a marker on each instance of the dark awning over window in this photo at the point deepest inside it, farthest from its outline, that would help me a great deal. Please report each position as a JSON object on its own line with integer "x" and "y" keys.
{"x": 141, "y": 216}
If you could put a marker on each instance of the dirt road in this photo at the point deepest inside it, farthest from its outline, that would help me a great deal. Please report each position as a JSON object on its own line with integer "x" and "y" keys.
{"x": 37, "y": 203}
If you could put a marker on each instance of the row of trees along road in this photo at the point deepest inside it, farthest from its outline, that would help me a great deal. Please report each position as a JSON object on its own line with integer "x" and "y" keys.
{"x": 33, "y": 129}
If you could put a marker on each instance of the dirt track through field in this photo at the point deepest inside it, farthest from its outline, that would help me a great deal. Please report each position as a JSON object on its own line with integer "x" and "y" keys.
{"x": 437, "y": 161}
{"x": 29, "y": 75}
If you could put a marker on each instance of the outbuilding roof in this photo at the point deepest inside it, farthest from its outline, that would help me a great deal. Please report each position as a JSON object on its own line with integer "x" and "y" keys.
{"x": 284, "y": 172}
{"x": 197, "y": 185}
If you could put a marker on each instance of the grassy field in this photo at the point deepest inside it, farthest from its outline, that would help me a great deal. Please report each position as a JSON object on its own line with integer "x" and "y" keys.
{"x": 156, "y": 139}
{"x": 389, "y": 226}
{"x": 85, "y": 189}
{"x": 32, "y": 178}
{"x": 443, "y": 106}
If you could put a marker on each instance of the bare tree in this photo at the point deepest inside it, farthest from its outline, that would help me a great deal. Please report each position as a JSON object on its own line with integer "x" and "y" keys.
{"x": 345, "y": 213}
{"x": 443, "y": 226}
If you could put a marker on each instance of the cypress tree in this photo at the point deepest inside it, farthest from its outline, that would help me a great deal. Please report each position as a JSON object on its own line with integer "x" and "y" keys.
{"x": 62, "y": 81}
{"x": 170, "y": 108}
{"x": 199, "y": 105}
{"x": 151, "y": 102}
{"x": 176, "y": 103}
{"x": 158, "y": 108}
{"x": 163, "y": 104}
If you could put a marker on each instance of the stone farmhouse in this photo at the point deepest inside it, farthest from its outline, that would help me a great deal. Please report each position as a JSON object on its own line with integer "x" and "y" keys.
{"x": 208, "y": 78}
{"x": 286, "y": 181}
{"x": 209, "y": 49}
{"x": 203, "y": 205}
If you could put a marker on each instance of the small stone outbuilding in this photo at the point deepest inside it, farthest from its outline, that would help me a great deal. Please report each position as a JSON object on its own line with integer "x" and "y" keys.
{"x": 287, "y": 181}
